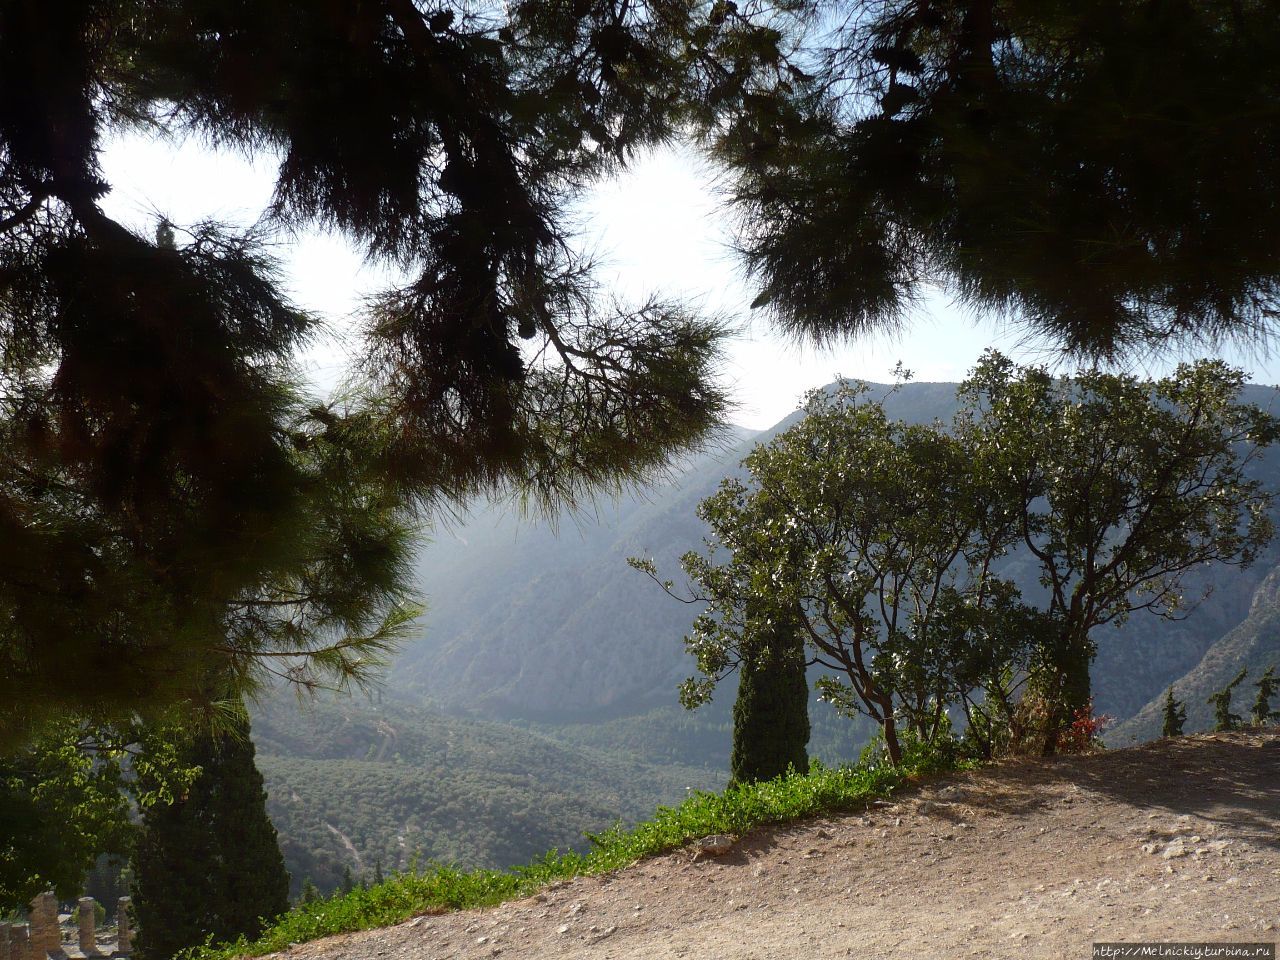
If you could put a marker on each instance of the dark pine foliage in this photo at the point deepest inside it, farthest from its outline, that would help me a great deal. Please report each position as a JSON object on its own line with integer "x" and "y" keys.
{"x": 1104, "y": 171}
{"x": 771, "y": 713}
{"x": 1175, "y": 715}
{"x": 1223, "y": 718}
{"x": 209, "y": 864}
{"x": 1261, "y": 711}
{"x": 160, "y": 477}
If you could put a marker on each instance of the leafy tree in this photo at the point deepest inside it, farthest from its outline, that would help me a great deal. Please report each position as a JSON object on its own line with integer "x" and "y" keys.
{"x": 1175, "y": 715}
{"x": 771, "y": 712}
{"x": 162, "y": 471}
{"x": 1123, "y": 486}
{"x": 1088, "y": 167}
{"x": 377, "y": 872}
{"x": 310, "y": 892}
{"x": 348, "y": 884}
{"x": 1223, "y": 718}
{"x": 208, "y": 864}
{"x": 67, "y": 800}
{"x": 1261, "y": 712}
{"x": 878, "y": 538}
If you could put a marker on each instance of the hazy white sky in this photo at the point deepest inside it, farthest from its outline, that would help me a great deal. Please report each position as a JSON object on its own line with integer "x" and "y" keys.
{"x": 657, "y": 230}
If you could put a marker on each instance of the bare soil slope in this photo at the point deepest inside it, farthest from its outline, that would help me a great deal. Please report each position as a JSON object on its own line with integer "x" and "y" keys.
{"x": 1173, "y": 840}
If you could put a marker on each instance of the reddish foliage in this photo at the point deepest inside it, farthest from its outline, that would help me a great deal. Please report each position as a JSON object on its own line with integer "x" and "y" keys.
{"x": 1084, "y": 732}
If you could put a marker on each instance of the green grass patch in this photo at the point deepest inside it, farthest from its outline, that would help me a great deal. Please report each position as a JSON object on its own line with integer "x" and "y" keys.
{"x": 737, "y": 810}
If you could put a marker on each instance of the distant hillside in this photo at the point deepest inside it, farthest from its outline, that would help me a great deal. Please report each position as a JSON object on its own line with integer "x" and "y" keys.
{"x": 1254, "y": 644}
{"x": 540, "y": 620}
{"x": 351, "y": 784}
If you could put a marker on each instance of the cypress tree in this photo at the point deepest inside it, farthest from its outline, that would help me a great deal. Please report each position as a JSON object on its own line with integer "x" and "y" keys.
{"x": 1262, "y": 712}
{"x": 209, "y": 863}
{"x": 771, "y": 714}
{"x": 1175, "y": 715}
{"x": 1223, "y": 718}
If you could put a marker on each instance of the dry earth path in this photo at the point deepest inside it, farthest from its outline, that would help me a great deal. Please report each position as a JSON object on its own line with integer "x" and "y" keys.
{"x": 1176, "y": 840}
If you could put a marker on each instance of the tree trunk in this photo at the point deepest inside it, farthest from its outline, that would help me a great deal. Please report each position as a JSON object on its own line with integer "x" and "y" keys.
{"x": 1070, "y": 690}
{"x": 891, "y": 744}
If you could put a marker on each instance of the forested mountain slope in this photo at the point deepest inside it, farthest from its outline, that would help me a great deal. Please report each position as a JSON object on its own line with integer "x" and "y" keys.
{"x": 1253, "y": 644}
{"x": 354, "y": 784}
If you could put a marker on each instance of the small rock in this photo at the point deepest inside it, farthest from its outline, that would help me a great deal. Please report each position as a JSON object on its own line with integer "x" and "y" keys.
{"x": 563, "y": 928}
{"x": 1174, "y": 850}
{"x": 715, "y": 845}
{"x": 482, "y": 939}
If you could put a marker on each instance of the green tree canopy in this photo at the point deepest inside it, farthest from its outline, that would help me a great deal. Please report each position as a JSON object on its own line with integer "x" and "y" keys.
{"x": 771, "y": 712}
{"x": 1124, "y": 487}
{"x": 877, "y": 539}
{"x": 1223, "y": 718}
{"x": 1174, "y": 716}
{"x": 69, "y": 798}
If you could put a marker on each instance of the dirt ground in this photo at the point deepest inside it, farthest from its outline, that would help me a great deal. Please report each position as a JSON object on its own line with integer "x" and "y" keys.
{"x": 1171, "y": 841}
